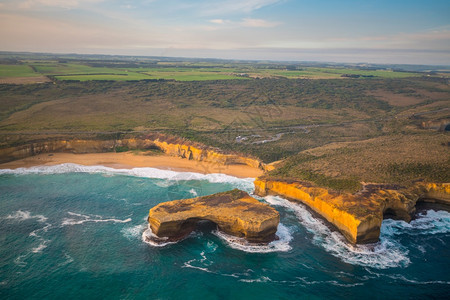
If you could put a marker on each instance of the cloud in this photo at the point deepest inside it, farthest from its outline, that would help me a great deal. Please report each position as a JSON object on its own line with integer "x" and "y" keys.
{"x": 219, "y": 21}
{"x": 247, "y": 22}
{"x": 436, "y": 38}
{"x": 235, "y": 6}
{"x": 66, "y": 4}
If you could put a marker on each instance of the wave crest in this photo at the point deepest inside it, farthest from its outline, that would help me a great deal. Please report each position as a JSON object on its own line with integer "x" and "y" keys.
{"x": 246, "y": 183}
{"x": 387, "y": 253}
{"x": 280, "y": 245}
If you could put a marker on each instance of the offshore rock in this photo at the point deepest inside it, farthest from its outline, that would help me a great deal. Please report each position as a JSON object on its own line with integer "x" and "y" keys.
{"x": 234, "y": 212}
{"x": 358, "y": 216}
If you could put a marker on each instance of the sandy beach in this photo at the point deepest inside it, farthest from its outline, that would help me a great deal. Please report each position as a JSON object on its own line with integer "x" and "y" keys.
{"x": 128, "y": 160}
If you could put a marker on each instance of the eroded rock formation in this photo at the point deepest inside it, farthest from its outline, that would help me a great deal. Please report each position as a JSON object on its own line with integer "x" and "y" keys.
{"x": 234, "y": 212}
{"x": 358, "y": 216}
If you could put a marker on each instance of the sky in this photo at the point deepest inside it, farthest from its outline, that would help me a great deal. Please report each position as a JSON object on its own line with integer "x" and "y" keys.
{"x": 372, "y": 31}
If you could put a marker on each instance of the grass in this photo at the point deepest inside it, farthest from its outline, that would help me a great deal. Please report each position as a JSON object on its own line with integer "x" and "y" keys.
{"x": 417, "y": 170}
{"x": 80, "y": 72}
{"x": 103, "y": 77}
{"x": 330, "y": 73}
{"x": 393, "y": 158}
{"x": 51, "y": 68}
{"x": 17, "y": 71}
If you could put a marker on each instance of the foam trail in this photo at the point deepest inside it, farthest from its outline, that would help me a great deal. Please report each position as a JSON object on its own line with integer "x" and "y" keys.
{"x": 280, "y": 245}
{"x": 20, "y": 260}
{"x": 87, "y": 218}
{"x": 246, "y": 183}
{"x": 403, "y": 279}
{"x": 68, "y": 259}
{"x": 305, "y": 281}
{"x": 261, "y": 279}
{"x": 25, "y": 215}
{"x": 387, "y": 253}
{"x": 39, "y": 248}
{"x": 203, "y": 263}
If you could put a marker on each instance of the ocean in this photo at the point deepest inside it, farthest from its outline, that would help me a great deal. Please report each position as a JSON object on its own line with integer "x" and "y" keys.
{"x": 76, "y": 232}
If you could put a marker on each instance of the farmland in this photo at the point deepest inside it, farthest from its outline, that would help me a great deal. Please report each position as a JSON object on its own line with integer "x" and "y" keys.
{"x": 126, "y": 69}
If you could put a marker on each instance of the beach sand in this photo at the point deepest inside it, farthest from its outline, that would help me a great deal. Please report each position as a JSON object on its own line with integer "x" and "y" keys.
{"x": 128, "y": 160}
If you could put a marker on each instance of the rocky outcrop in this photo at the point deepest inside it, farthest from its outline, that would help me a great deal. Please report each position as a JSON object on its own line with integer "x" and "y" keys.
{"x": 199, "y": 153}
{"x": 169, "y": 145}
{"x": 357, "y": 216}
{"x": 234, "y": 212}
{"x": 72, "y": 146}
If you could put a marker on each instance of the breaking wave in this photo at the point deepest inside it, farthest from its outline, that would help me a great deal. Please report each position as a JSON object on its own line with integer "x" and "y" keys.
{"x": 150, "y": 238}
{"x": 280, "y": 245}
{"x": 429, "y": 222}
{"x": 246, "y": 184}
{"x": 387, "y": 253}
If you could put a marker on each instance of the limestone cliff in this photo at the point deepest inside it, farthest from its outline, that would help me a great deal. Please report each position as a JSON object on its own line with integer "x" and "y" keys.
{"x": 357, "y": 216}
{"x": 169, "y": 145}
{"x": 234, "y": 212}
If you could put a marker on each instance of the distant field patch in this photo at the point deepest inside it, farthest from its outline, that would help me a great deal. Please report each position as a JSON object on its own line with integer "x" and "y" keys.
{"x": 191, "y": 76}
{"x": 24, "y": 80}
{"x": 330, "y": 73}
{"x": 20, "y": 74}
{"x": 397, "y": 99}
{"x": 51, "y": 68}
{"x": 8, "y": 71}
{"x": 375, "y": 73}
{"x": 113, "y": 77}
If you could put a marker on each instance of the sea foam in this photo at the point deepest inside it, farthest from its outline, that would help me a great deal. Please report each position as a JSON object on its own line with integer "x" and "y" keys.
{"x": 133, "y": 232}
{"x": 385, "y": 254}
{"x": 280, "y": 245}
{"x": 243, "y": 183}
{"x": 25, "y": 215}
{"x": 150, "y": 238}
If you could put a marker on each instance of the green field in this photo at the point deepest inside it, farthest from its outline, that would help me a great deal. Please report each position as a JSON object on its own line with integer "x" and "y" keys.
{"x": 338, "y": 72}
{"x": 92, "y": 69}
{"x": 17, "y": 71}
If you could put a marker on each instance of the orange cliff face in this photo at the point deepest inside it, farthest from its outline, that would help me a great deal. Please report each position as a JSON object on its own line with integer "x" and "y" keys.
{"x": 207, "y": 155}
{"x": 357, "y": 216}
{"x": 72, "y": 146}
{"x": 169, "y": 145}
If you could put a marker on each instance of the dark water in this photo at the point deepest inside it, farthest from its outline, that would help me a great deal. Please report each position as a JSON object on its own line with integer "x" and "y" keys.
{"x": 76, "y": 232}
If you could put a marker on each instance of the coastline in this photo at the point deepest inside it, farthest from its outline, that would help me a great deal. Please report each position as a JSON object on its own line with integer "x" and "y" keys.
{"x": 129, "y": 160}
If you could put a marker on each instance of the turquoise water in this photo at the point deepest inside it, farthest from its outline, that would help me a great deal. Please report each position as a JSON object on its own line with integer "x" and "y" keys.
{"x": 76, "y": 232}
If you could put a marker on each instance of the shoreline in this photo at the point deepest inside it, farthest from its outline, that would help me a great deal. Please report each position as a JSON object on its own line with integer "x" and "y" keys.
{"x": 129, "y": 160}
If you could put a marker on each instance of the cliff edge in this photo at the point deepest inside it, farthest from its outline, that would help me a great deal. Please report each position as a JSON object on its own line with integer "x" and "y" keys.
{"x": 170, "y": 145}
